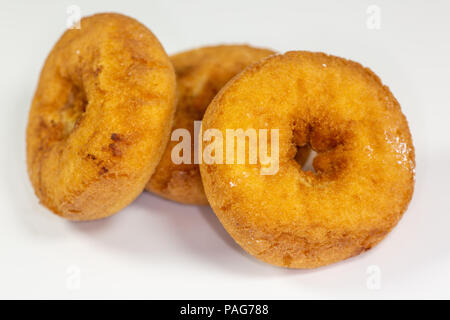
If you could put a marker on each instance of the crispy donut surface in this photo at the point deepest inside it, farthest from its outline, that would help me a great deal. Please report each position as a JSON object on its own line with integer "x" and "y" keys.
{"x": 100, "y": 118}
{"x": 364, "y": 166}
{"x": 200, "y": 73}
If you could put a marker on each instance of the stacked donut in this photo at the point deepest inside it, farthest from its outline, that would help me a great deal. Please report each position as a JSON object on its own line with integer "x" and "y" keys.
{"x": 109, "y": 98}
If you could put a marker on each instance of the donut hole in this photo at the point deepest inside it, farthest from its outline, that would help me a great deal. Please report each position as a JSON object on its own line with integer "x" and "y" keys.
{"x": 320, "y": 148}
{"x": 72, "y": 110}
{"x": 306, "y": 162}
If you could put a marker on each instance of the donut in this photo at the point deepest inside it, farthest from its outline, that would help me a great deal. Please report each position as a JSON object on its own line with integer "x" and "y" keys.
{"x": 200, "y": 74}
{"x": 100, "y": 117}
{"x": 363, "y": 175}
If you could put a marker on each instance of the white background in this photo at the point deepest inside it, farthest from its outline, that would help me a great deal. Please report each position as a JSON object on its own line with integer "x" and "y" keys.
{"x": 158, "y": 249}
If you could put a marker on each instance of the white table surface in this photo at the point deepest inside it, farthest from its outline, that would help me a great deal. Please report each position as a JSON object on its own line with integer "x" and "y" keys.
{"x": 159, "y": 249}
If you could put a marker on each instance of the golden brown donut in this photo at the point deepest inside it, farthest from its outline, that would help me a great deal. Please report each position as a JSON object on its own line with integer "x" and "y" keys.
{"x": 364, "y": 166}
{"x": 100, "y": 118}
{"x": 200, "y": 73}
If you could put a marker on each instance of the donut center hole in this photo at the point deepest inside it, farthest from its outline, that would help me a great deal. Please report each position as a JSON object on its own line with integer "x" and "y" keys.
{"x": 305, "y": 157}
{"x": 73, "y": 109}
{"x": 318, "y": 146}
